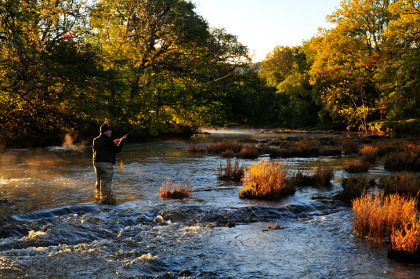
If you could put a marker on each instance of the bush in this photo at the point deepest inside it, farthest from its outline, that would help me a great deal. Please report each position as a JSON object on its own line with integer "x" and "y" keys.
{"x": 407, "y": 238}
{"x": 248, "y": 152}
{"x": 321, "y": 178}
{"x": 266, "y": 180}
{"x": 170, "y": 190}
{"x": 223, "y": 146}
{"x": 378, "y": 218}
{"x": 231, "y": 172}
{"x": 406, "y": 160}
{"x": 403, "y": 184}
{"x": 349, "y": 145}
{"x": 353, "y": 187}
{"x": 357, "y": 166}
{"x": 369, "y": 153}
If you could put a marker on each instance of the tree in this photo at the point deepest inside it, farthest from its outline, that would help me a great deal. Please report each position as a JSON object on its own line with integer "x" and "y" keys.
{"x": 345, "y": 60}
{"x": 30, "y": 91}
{"x": 171, "y": 61}
{"x": 399, "y": 71}
{"x": 286, "y": 69}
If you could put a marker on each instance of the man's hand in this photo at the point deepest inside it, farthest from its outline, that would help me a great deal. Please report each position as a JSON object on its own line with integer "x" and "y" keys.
{"x": 118, "y": 141}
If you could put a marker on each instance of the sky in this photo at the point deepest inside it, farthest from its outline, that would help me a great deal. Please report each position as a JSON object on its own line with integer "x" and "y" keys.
{"x": 264, "y": 24}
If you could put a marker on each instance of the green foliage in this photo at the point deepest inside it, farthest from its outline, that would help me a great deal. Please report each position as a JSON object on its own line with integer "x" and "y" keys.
{"x": 156, "y": 65}
{"x": 286, "y": 69}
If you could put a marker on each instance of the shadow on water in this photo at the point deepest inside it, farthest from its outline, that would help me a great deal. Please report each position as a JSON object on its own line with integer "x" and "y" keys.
{"x": 51, "y": 226}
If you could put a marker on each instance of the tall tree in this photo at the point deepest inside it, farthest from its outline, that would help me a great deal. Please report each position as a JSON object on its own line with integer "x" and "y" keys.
{"x": 346, "y": 59}
{"x": 399, "y": 67}
{"x": 169, "y": 58}
{"x": 30, "y": 91}
{"x": 286, "y": 69}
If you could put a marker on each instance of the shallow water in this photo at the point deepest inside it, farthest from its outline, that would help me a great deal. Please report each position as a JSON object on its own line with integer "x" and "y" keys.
{"x": 53, "y": 227}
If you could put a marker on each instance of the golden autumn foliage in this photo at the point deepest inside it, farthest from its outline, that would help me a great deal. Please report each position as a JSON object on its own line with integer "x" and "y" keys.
{"x": 388, "y": 217}
{"x": 266, "y": 180}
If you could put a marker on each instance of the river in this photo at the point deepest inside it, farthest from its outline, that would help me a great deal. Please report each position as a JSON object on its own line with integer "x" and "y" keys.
{"x": 52, "y": 225}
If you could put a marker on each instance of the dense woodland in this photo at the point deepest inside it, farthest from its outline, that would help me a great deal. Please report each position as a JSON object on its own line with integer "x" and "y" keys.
{"x": 157, "y": 68}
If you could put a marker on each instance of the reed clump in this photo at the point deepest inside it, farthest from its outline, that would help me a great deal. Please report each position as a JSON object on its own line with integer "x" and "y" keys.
{"x": 223, "y": 146}
{"x": 348, "y": 145}
{"x": 353, "y": 187}
{"x": 379, "y": 217}
{"x": 248, "y": 152}
{"x": 357, "y": 166}
{"x": 169, "y": 190}
{"x": 266, "y": 180}
{"x": 406, "y": 159}
{"x": 320, "y": 178}
{"x": 406, "y": 240}
{"x": 403, "y": 184}
{"x": 369, "y": 153}
{"x": 232, "y": 171}
{"x": 193, "y": 148}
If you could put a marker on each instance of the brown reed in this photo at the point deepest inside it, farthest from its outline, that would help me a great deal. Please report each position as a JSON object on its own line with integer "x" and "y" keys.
{"x": 348, "y": 145}
{"x": 169, "y": 190}
{"x": 378, "y": 217}
{"x": 357, "y": 166}
{"x": 369, "y": 153}
{"x": 353, "y": 187}
{"x": 320, "y": 178}
{"x": 403, "y": 184}
{"x": 222, "y": 146}
{"x": 407, "y": 239}
{"x": 233, "y": 172}
{"x": 266, "y": 180}
{"x": 407, "y": 159}
{"x": 248, "y": 152}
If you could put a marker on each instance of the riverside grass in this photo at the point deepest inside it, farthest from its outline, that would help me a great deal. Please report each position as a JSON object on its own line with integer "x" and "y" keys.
{"x": 266, "y": 180}
{"x": 169, "y": 190}
{"x": 232, "y": 171}
{"x": 388, "y": 217}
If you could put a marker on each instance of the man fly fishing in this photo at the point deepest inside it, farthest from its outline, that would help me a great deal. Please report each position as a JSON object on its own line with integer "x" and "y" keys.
{"x": 104, "y": 158}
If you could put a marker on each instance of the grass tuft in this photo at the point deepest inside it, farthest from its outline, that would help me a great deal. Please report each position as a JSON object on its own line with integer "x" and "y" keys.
{"x": 357, "y": 166}
{"x": 169, "y": 190}
{"x": 379, "y": 217}
{"x": 233, "y": 172}
{"x": 266, "y": 180}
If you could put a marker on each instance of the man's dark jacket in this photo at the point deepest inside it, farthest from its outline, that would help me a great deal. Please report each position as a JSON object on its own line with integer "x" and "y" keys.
{"x": 105, "y": 150}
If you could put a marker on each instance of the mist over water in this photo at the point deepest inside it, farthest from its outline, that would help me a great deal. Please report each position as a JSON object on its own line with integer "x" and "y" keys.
{"x": 53, "y": 227}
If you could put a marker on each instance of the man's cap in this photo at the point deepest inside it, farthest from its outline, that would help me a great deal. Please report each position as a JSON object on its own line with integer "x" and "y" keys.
{"x": 105, "y": 127}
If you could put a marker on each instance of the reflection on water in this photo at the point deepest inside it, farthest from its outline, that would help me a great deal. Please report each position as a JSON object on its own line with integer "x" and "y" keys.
{"x": 53, "y": 227}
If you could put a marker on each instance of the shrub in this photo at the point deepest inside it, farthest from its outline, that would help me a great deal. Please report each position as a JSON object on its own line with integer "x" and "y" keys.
{"x": 307, "y": 147}
{"x": 193, "y": 148}
{"x": 407, "y": 239}
{"x": 406, "y": 160}
{"x": 170, "y": 190}
{"x": 330, "y": 150}
{"x": 353, "y": 187}
{"x": 224, "y": 145}
{"x": 228, "y": 153}
{"x": 266, "y": 180}
{"x": 349, "y": 145}
{"x": 231, "y": 172}
{"x": 357, "y": 166}
{"x": 377, "y": 218}
{"x": 323, "y": 175}
{"x": 321, "y": 178}
{"x": 248, "y": 152}
{"x": 369, "y": 153}
{"x": 403, "y": 184}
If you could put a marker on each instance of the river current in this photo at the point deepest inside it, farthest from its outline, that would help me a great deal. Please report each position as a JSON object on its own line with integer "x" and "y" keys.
{"x": 52, "y": 225}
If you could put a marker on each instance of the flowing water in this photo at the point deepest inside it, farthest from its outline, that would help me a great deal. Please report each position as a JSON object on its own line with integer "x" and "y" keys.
{"x": 52, "y": 225}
